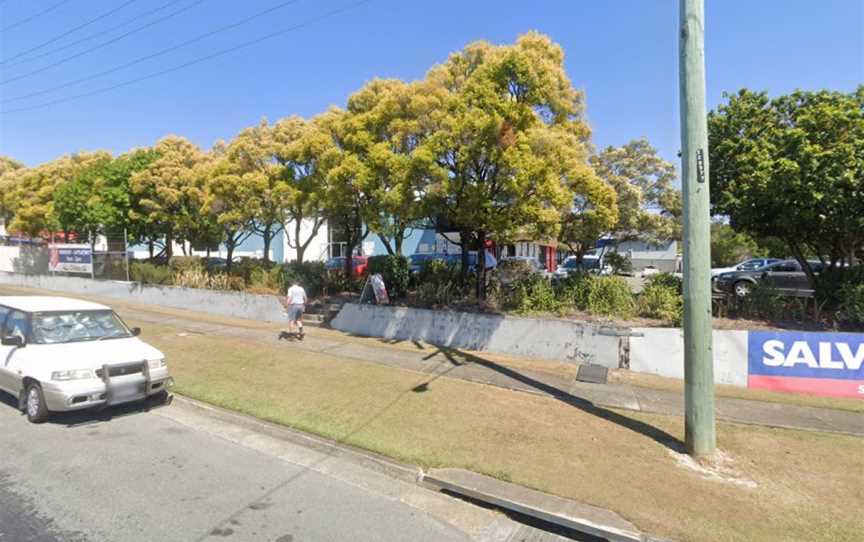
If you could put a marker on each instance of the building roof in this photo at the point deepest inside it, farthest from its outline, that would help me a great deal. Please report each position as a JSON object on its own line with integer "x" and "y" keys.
{"x": 39, "y": 303}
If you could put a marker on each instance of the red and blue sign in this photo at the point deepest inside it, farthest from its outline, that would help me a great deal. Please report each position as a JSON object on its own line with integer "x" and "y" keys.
{"x": 815, "y": 363}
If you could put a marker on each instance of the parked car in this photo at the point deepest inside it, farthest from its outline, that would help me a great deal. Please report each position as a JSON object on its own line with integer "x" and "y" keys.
{"x": 571, "y": 265}
{"x": 784, "y": 276}
{"x": 358, "y": 265}
{"x": 63, "y": 354}
{"x": 649, "y": 270}
{"x": 746, "y": 265}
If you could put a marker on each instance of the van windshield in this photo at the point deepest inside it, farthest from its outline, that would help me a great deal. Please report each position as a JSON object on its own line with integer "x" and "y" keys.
{"x": 77, "y": 326}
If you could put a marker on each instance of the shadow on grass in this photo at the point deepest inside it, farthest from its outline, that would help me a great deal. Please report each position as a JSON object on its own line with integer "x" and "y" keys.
{"x": 459, "y": 358}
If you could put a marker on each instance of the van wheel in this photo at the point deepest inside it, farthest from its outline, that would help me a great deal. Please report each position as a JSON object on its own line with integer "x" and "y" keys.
{"x": 742, "y": 288}
{"x": 34, "y": 404}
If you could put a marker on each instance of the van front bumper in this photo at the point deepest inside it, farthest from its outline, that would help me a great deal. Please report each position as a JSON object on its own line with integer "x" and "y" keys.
{"x": 82, "y": 394}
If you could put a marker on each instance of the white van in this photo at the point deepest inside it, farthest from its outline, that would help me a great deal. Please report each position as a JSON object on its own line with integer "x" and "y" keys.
{"x": 60, "y": 354}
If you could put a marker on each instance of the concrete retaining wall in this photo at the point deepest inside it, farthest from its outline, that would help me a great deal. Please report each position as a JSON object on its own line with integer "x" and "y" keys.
{"x": 660, "y": 351}
{"x": 254, "y": 307}
{"x": 559, "y": 340}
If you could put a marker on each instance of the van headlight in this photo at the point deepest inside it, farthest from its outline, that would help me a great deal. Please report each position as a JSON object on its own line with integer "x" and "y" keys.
{"x": 157, "y": 363}
{"x": 74, "y": 374}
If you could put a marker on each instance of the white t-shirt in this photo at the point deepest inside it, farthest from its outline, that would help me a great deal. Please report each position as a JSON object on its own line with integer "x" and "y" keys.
{"x": 296, "y": 295}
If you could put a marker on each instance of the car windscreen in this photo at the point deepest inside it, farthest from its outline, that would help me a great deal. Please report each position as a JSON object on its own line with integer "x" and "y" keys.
{"x": 77, "y": 326}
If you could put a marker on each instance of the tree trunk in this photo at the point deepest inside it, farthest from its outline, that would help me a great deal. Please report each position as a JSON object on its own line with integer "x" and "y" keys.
{"x": 229, "y": 250}
{"x": 386, "y": 242}
{"x": 299, "y": 246}
{"x": 481, "y": 266}
{"x": 465, "y": 246}
{"x": 398, "y": 240}
{"x": 150, "y": 248}
{"x": 805, "y": 265}
{"x": 267, "y": 239}
{"x": 169, "y": 245}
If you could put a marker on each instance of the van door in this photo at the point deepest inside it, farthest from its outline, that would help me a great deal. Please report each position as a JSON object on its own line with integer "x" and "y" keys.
{"x": 16, "y": 323}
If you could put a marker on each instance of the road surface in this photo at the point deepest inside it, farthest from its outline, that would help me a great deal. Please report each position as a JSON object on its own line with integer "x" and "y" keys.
{"x": 168, "y": 474}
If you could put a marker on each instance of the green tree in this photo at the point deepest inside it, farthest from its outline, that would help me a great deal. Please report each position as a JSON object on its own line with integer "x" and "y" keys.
{"x": 649, "y": 206}
{"x": 509, "y": 144}
{"x": 168, "y": 198}
{"x": 301, "y": 149}
{"x": 10, "y": 170}
{"x": 230, "y": 197}
{"x": 97, "y": 200}
{"x": 729, "y": 247}
{"x": 30, "y": 198}
{"x": 792, "y": 168}
{"x": 255, "y": 155}
{"x": 384, "y": 126}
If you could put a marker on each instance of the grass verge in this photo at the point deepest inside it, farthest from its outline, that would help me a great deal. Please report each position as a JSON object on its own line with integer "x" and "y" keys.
{"x": 808, "y": 485}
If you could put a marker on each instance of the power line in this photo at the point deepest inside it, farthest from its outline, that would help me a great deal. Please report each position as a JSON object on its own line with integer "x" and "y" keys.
{"x": 108, "y": 31}
{"x": 30, "y": 18}
{"x": 100, "y": 46}
{"x": 198, "y": 60}
{"x": 70, "y": 31}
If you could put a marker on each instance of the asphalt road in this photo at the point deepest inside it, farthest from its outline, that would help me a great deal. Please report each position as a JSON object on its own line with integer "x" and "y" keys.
{"x": 143, "y": 476}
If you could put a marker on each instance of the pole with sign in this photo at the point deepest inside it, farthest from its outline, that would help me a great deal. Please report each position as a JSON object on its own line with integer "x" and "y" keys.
{"x": 698, "y": 363}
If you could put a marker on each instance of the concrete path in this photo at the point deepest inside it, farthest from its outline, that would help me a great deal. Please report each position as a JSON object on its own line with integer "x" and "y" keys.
{"x": 178, "y": 473}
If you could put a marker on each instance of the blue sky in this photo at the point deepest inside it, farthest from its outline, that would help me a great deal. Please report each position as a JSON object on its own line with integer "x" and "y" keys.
{"x": 622, "y": 53}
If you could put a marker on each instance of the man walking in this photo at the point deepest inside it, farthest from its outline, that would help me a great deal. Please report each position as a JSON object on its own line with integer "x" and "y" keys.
{"x": 295, "y": 304}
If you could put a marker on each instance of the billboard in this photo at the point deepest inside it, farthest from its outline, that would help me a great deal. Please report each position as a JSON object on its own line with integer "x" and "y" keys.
{"x": 815, "y": 363}
{"x": 70, "y": 259}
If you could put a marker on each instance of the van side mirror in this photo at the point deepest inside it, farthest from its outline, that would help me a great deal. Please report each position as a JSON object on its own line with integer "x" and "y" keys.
{"x": 136, "y": 331}
{"x": 12, "y": 340}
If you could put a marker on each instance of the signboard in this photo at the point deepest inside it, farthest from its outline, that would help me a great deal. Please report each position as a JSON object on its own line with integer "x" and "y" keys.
{"x": 379, "y": 289}
{"x": 816, "y": 363}
{"x": 71, "y": 259}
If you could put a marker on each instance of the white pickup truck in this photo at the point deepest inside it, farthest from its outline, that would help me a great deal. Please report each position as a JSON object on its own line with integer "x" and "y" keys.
{"x": 60, "y": 354}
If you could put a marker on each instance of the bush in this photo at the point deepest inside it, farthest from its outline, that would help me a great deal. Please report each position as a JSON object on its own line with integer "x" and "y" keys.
{"x": 310, "y": 275}
{"x": 265, "y": 281}
{"x": 832, "y": 285}
{"x": 439, "y": 294}
{"x": 666, "y": 280}
{"x": 533, "y": 294}
{"x": 663, "y": 302}
{"x": 180, "y": 264}
{"x": 852, "y": 307}
{"x": 198, "y": 278}
{"x": 395, "y": 272}
{"x": 619, "y": 263}
{"x": 148, "y": 273}
{"x": 609, "y": 296}
{"x": 573, "y": 291}
{"x": 513, "y": 271}
{"x": 438, "y": 272}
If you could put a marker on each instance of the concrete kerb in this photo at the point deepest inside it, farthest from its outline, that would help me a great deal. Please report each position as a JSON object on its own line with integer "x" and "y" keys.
{"x": 540, "y": 506}
{"x": 565, "y": 513}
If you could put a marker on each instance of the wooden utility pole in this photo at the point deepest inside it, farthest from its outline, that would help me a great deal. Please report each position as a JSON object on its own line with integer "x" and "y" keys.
{"x": 698, "y": 361}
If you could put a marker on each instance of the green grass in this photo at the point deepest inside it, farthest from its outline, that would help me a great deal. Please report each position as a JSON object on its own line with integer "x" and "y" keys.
{"x": 809, "y": 485}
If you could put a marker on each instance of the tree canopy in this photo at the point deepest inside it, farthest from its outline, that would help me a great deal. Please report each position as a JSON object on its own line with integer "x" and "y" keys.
{"x": 792, "y": 167}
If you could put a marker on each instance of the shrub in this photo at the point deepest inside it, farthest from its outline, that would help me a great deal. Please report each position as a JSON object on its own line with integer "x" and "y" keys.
{"x": 533, "y": 294}
{"x": 180, "y": 264}
{"x": 198, "y": 278}
{"x": 609, "y": 296}
{"x": 852, "y": 307}
{"x": 438, "y": 294}
{"x": 394, "y": 269}
{"x": 619, "y": 263}
{"x": 667, "y": 280}
{"x": 661, "y": 301}
{"x": 513, "y": 271}
{"x": 573, "y": 291}
{"x": 265, "y": 281}
{"x": 763, "y": 302}
{"x": 148, "y": 273}
{"x": 438, "y": 272}
{"x": 832, "y": 285}
{"x": 310, "y": 275}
